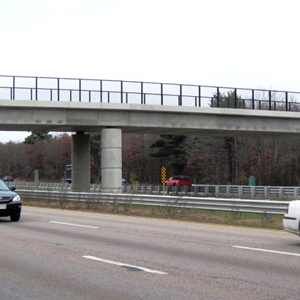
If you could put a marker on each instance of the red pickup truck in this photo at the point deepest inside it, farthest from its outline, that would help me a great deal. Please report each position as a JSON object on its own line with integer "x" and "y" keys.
{"x": 178, "y": 180}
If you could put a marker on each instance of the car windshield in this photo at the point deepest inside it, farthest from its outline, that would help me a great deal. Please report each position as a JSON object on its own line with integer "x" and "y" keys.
{"x": 3, "y": 186}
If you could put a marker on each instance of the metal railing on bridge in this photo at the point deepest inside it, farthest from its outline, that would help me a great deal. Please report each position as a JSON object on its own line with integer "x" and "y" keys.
{"x": 135, "y": 92}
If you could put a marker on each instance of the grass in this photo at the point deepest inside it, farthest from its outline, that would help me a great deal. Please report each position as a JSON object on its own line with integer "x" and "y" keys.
{"x": 188, "y": 215}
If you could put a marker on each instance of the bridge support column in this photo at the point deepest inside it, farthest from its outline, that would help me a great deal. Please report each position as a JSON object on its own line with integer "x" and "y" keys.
{"x": 111, "y": 160}
{"x": 81, "y": 164}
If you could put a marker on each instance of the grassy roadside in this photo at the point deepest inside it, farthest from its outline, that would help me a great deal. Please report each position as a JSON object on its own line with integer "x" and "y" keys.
{"x": 188, "y": 215}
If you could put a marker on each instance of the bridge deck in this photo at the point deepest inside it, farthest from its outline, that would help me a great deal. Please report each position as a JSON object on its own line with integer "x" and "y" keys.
{"x": 22, "y": 115}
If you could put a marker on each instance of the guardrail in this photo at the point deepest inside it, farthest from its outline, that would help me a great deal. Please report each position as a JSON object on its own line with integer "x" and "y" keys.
{"x": 136, "y": 92}
{"x": 235, "y": 191}
{"x": 238, "y": 206}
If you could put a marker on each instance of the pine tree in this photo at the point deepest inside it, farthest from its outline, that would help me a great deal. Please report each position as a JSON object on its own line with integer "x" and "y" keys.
{"x": 172, "y": 148}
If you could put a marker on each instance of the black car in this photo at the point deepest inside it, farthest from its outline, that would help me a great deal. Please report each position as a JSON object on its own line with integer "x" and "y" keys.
{"x": 7, "y": 178}
{"x": 10, "y": 203}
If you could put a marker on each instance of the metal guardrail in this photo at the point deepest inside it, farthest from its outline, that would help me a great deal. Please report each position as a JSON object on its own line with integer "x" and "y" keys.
{"x": 238, "y": 206}
{"x": 235, "y": 191}
{"x": 136, "y": 92}
{"x": 239, "y": 191}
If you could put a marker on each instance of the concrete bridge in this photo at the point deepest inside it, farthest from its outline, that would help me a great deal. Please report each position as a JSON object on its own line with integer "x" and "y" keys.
{"x": 42, "y": 104}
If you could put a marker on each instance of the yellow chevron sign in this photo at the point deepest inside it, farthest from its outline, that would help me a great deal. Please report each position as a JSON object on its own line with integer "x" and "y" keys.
{"x": 163, "y": 175}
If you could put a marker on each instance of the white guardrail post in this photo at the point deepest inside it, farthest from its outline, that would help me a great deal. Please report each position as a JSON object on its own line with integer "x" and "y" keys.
{"x": 267, "y": 191}
{"x": 240, "y": 191}
{"x": 253, "y": 192}
{"x": 281, "y": 192}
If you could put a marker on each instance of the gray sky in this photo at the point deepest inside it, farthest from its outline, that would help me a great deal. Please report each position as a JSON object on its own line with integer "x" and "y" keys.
{"x": 232, "y": 43}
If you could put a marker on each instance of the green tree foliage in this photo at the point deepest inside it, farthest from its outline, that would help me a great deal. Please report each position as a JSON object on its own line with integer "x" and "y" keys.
{"x": 171, "y": 147}
{"x": 228, "y": 100}
{"x": 133, "y": 177}
{"x": 37, "y": 136}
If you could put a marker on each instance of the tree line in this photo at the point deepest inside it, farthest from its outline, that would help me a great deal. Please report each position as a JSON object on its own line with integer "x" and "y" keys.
{"x": 209, "y": 160}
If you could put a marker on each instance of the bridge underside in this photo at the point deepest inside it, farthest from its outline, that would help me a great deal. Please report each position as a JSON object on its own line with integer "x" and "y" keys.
{"x": 113, "y": 119}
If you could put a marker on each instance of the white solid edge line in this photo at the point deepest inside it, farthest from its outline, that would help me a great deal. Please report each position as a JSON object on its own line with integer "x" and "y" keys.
{"x": 124, "y": 265}
{"x": 265, "y": 250}
{"x": 71, "y": 224}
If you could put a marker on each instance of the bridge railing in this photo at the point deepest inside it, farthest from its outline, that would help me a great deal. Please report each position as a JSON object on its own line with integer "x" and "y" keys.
{"x": 135, "y": 92}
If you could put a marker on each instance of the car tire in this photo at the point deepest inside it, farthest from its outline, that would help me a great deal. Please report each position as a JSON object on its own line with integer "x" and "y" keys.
{"x": 15, "y": 217}
{"x": 174, "y": 184}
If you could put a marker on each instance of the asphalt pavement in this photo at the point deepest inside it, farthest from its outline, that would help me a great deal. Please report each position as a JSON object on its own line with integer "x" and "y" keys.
{"x": 62, "y": 255}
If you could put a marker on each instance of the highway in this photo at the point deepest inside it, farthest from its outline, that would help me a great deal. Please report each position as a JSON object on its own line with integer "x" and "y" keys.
{"x": 62, "y": 255}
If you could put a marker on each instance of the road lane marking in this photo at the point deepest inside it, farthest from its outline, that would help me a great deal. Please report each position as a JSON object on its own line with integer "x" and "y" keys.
{"x": 124, "y": 265}
{"x": 265, "y": 250}
{"x": 170, "y": 221}
{"x": 71, "y": 224}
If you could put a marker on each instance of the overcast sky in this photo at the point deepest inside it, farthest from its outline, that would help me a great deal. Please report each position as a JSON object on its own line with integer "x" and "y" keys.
{"x": 234, "y": 43}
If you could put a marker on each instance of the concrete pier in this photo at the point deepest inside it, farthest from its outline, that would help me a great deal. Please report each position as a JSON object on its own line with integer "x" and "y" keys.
{"x": 81, "y": 164}
{"x": 111, "y": 160}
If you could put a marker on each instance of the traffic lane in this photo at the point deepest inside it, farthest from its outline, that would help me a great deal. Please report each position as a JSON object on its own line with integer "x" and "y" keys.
{"x": 39, "y": 271}
{"x": 205, "y": 260}
{"x": 112, "y": 226}
{"x": 185, "y": 232}
{"x": 134, "y": 240}
{"x": 36, "y": 270}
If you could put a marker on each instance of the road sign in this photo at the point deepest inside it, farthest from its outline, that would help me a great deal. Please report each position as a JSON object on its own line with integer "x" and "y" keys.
{"x": 163, "y": 175}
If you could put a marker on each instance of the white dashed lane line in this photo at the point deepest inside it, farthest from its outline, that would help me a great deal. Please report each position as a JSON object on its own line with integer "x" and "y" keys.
{"x": 137, "y": 268}
{"x": 71, "y": 224}
{"x": 265, "y": 250}
{"x": 131, "y": 267}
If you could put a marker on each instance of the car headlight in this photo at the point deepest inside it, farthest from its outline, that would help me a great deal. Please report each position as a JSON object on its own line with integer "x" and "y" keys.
{"x": 16, "y": 198}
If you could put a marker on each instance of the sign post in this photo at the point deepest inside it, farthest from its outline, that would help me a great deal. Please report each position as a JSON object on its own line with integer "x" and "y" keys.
{"x": 163, "y": 178}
